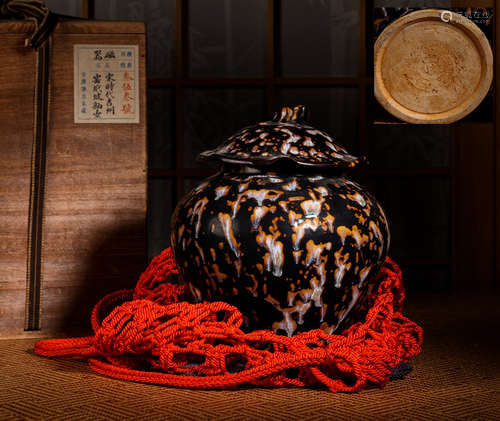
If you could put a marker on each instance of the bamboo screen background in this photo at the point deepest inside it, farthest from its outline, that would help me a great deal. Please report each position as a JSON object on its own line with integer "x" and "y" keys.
{"x": 215, "y": 66}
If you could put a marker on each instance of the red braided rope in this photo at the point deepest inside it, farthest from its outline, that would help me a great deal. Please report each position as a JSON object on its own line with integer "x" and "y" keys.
{"x": 148, "y": 335}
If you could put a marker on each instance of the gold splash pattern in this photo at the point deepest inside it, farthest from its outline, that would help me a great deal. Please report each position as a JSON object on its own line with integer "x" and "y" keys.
{"x": 294, "y": 257}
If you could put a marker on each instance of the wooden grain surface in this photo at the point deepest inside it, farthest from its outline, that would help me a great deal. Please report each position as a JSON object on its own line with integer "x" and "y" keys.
{"x": 95, "y": 208}
{"x": 496, "y": 147}
{"x": 431, "y": 71}
{"x": 17, "y": 88}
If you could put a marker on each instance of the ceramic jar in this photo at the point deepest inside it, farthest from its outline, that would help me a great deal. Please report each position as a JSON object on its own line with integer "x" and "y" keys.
{"x": 280, "y": 232}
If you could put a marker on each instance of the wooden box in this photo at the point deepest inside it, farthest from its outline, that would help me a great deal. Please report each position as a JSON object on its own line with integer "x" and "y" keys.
{"x": 78, "y": 232}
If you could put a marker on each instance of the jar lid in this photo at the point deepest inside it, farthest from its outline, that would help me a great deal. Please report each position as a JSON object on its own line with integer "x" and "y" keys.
{"x": 286, "y": 137}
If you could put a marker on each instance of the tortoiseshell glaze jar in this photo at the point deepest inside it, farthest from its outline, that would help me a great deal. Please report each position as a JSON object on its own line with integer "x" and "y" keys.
{"x": 279, "y": 231}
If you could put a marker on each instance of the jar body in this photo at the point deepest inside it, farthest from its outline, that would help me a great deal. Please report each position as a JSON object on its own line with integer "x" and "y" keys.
{"x": 293, "y": 252}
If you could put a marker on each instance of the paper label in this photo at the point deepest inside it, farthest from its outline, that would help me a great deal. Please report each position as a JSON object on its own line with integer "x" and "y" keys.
{"x": 106, "y": 83}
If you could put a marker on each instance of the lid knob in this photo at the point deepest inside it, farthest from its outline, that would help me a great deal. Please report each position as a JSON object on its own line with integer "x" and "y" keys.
{"x": 287, "y": 115}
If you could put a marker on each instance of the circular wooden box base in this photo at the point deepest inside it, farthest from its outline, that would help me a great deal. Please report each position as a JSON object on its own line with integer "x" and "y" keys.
{"x": 432, "y": 66}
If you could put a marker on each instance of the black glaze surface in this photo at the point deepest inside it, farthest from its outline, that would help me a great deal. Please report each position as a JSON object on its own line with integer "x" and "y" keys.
{"x": 286, "y": 138}
{"x": 293, "y": 247}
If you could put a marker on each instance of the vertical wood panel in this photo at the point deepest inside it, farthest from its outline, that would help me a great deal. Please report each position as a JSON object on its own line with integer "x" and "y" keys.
{"x": 95, "y": 198}
{"x": 94, "y": 241}
{"x": 88, "y": 9}
{"x": 17, "y": 88}
{"x": 362, "y": 73}
{"x": 272, "y": 48}
{"x": 181, "y": 25}
{"x": 475, "y": 195}
{"x": 473, "y": 246}
{"x": 497, "y": 146}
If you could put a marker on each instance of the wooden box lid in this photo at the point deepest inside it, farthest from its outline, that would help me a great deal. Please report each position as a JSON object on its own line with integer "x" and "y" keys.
{"x": 432, "y": 67}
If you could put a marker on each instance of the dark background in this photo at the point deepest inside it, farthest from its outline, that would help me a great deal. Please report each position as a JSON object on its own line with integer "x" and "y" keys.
{"x": 217, "y": 65}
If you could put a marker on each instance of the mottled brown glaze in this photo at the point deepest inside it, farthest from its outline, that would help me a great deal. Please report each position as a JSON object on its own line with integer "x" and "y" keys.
{"x": 294, "y": 248}
{"x": 287, "y": 137}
